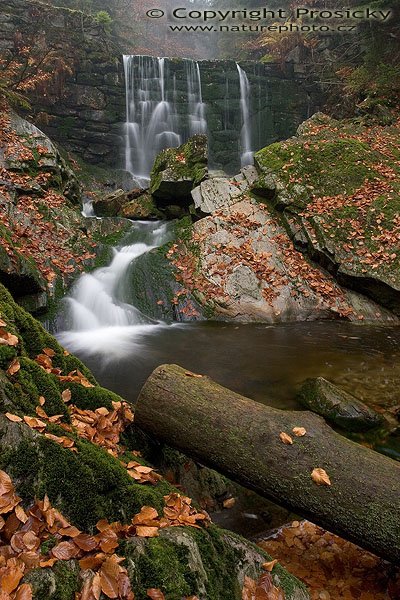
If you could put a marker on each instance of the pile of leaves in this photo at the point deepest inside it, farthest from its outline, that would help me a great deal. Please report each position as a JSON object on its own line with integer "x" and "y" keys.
{"x": 332, "y": 568}
{"x": 24, "y": 537}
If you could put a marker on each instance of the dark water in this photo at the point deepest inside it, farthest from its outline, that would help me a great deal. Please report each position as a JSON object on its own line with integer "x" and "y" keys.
{"x": 265, "y": 363}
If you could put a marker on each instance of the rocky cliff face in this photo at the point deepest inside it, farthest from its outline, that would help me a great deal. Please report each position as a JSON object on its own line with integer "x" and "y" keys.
{"x": 45, "y": 242}
{"x": 312, "y": 233}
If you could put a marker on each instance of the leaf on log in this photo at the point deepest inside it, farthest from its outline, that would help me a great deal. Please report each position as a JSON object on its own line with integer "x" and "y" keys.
{"x": 268, "y": 566}
{"x": 285, "y": 438}
{"x": 299, "y": 431}
{"x": 14, "y": 367}
{"x": 13, "y": 418}
{"x": 320, "y": 477}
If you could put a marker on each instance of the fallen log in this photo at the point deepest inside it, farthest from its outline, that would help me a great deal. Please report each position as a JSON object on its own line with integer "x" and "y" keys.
{"x": 241, "y": 438}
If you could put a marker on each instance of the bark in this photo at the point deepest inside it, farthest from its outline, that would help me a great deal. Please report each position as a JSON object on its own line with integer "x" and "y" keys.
{"x": 240, "y": 438}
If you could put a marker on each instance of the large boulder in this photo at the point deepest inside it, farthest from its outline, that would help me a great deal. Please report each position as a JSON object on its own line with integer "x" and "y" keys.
{"x": 40, "y": 155}
{"x": 110, "y": 204}
{"x": 336, "y": 187}
{"x": 177, "y": 171}
{"x": 240, "y": 264}
{"x": 338, "y": 406}
{"x": 141, "y": 206}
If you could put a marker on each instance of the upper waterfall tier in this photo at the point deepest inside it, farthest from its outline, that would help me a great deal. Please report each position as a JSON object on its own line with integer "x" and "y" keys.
{"x": 242, "y": 108}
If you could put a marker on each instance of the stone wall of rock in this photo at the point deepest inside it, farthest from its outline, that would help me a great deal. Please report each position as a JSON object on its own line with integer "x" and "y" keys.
{"x": 87, "y": 117}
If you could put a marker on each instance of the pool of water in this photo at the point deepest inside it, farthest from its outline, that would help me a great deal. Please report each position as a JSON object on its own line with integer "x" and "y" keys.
{"x": 265, "y": 363}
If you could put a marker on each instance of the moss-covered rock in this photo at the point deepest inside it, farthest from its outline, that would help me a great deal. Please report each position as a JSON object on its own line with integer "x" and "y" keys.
{"x": 177, "y": 171}
{"x": 336, "y": 186}
{"x": 141, "y": 207}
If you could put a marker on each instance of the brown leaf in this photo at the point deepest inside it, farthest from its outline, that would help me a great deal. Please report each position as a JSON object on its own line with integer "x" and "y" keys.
{"x": 13, "y": 418}
{"x": 320, "y": 477}
{"x": 144, "y": 531}
{"x": 299, "y": 431}
{"x": 266, "y": 590}
{"x": 66, "y": 395}
{"x": 268, "y": 566}
{"x": 10, "y": 580}
{"x": 190, "y": 374}
{"x": 14, "y": 367}
{"x": 24, "y": 592}
{"x": 35, "y": 423}
{"x": 65, "y": 551}
{"x": 285, "y": 438}
{"x": 229, "y": 503}
{"x": 49, "y": 352}
{"x": 155, "y": 594}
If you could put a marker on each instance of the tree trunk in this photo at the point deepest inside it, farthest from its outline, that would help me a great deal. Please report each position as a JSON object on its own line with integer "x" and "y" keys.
{"x": 241, "y": 439}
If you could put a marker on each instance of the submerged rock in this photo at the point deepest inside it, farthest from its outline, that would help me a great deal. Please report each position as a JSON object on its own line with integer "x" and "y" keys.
{"x": 326, "y": 399}
{"x": 177, "y": 171}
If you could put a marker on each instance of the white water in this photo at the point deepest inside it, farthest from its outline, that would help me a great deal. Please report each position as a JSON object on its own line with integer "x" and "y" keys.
{"x": 152, "y": 120}
{"x": 99, "y": 319}
{"x": 246, "y": 155}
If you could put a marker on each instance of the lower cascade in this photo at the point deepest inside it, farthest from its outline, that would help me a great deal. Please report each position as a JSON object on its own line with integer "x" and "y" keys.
{"x": 97, "y": 318}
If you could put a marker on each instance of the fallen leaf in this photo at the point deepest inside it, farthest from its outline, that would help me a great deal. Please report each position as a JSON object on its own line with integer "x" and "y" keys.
{"x": 13, "y": 418}
{"x": 48, "y": 351}
{"x": 144, "y": 531}
{"x": 66, "y": 395}
{"x": 14, "y": 367}
{"x": 268, "y": 566}
{"x": 229, "y": 503}
{"x": 155, "y": 594}
{"x": 320, "y": 477}
{"x": 285, "y": 438}
{"x": 299, "y": 431}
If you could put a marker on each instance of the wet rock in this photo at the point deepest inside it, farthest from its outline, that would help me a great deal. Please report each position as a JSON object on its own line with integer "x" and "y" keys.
{"x": 324, "y": 398}
{"x": 140, "y": 207}
{"x": 111, "y": 204}
{"x": 177, "y": 171}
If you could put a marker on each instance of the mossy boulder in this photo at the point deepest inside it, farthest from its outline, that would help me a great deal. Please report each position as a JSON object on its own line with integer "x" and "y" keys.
{"x": 141, "y": 207}
{"x": 177, "y": 171}
{"x": 110, "y": 204}
{"x": 336, "y": 187}
{"x": 91, "y": 484}
{"x": 337, "y": 406}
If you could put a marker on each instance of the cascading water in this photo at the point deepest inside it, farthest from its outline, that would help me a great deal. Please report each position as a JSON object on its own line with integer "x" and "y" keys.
{"x": 246, "y": 156}
{"x": 152, "y": 119}
{"x": 197, "y": 108}
{"x": 98, "y": 319}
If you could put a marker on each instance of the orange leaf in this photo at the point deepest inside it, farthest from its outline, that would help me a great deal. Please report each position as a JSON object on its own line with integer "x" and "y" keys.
{"x": 155, "y": 594}
{"x": 268, "y": 566}
{"x": 285, "y": 438}
{"x": 65, "y": 551}
{"x": 24, "y": 592}
{"x": 320, "y": 477}
{"x": 66, "y": 395}
{"x": 48, "y": 351}
{"x": 13, "y": 418}
{"x": 299, "y": 431}
{"x": 10, "y": 580}
{"x": 14, "y": 367}
{"x": 144, "y": 531}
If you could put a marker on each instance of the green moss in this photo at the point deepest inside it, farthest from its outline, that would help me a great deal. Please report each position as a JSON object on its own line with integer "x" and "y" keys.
{"x": 59, "y": 583}
{"x": 165, "y": 566}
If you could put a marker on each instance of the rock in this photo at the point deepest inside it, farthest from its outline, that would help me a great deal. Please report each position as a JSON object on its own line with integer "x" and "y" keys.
{"x": 111, "y": 204}
{"x": 177, "y": 171}
{"x": 336, "y": 192}
{"x": 221, "y": 192}
{"x": 336, "y": 405}
{"x": 141, "y": 207}
{"x": 44, "y": 157}
{"x": 244, "y": 266}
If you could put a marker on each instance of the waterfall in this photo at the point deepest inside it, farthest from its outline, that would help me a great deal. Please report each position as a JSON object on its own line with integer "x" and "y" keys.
{"x": 246, "y": 156}
{"x": 97, "y": 317}
{"x": 197, "y": 108}
{"x": 152, "y": 120}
